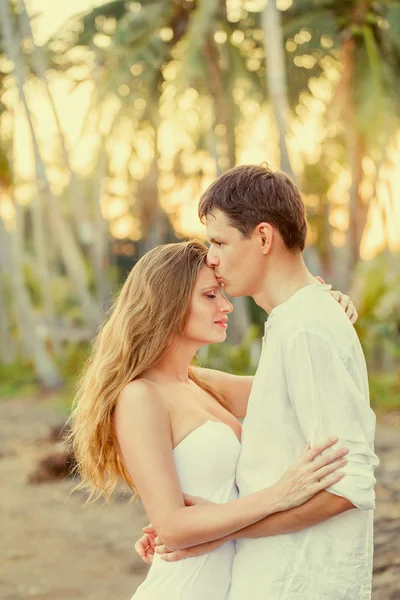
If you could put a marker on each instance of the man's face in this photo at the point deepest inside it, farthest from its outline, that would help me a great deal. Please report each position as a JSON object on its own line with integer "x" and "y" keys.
{"x": 237, "y": 262}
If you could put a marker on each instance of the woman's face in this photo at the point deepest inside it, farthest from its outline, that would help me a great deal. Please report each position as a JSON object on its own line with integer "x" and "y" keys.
{"x": 208, "y": 318}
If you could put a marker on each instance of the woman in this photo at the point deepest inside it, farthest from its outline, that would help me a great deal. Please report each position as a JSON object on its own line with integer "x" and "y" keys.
{"x": 145, "y": 416}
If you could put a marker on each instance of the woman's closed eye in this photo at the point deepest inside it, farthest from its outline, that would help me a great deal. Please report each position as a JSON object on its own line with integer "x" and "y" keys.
{"x": 212, "y": 296}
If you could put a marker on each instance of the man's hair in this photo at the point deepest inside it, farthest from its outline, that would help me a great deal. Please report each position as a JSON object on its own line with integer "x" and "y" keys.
{"x": 252, "y": 194}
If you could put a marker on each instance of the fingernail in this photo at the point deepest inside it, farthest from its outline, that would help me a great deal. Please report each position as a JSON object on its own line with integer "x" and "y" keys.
{"x": 333, "y": 439}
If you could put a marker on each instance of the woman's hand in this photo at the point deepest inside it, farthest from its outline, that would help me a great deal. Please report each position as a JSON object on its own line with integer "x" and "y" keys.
{"x": 347, "y": 305}
{"x": 344, "y": 301}
{"x": 146, "y": 545}
{"x": 310, "y": 474}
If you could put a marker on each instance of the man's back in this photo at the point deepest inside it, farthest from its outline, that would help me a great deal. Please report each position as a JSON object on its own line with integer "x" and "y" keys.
{"x": 311, "y": 383}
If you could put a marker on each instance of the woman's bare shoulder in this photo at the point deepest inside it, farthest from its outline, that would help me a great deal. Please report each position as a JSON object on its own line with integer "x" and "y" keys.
{"x": 143, "y": 393}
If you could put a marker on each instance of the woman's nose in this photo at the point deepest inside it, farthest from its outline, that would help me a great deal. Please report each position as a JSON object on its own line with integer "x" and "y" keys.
{"x": 226, "y": 306}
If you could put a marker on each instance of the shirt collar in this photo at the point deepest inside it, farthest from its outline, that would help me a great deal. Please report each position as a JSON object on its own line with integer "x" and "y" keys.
{"x": 297, "y": 298}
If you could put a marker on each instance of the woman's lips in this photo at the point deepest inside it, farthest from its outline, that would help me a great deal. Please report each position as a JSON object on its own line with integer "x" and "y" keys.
{"x": 222, "y": 323}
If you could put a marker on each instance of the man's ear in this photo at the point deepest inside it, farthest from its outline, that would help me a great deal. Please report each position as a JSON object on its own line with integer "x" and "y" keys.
{"x": 266, "y": 234}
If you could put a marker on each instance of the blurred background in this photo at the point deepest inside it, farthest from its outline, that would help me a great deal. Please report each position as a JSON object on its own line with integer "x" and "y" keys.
{"x": 114, "y": 117}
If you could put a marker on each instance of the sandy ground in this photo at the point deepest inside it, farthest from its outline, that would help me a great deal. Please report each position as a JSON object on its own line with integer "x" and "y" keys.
{"x": 53, "y": 547}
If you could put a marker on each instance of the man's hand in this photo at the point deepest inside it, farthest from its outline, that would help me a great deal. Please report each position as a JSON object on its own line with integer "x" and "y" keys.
{"x": 344, "y": 301}
{"x": 173, "y": 556}
{"x": 150, "y": 542}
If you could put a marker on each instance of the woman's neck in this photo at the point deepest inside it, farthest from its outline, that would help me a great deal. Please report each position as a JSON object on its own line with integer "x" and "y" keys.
{"x": 174, "y": 368}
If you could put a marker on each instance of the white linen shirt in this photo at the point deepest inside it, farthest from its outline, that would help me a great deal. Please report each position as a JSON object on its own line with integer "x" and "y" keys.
{"x": 311, "y": 383}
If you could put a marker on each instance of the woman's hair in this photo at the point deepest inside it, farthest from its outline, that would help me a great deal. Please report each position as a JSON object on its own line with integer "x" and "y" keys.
{"x": 151, "y": 310}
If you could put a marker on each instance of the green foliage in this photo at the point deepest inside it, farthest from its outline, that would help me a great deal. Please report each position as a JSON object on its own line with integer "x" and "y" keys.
{"x": 378, "y": 288}
{"x": 73, "y": 361}
{"x": 370, "y": 30}
{"x": 17, "y": 379}
{"x": 385, "y": 391}
{"x": 239, "y": 360}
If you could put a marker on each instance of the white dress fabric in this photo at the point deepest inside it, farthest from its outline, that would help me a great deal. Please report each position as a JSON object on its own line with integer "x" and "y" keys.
{"x": 311, "y": 383}
{"x": 206, "y": 465}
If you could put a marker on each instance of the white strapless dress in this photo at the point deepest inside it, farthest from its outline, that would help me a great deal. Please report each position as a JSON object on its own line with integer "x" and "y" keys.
{"x": 206, "y": 464}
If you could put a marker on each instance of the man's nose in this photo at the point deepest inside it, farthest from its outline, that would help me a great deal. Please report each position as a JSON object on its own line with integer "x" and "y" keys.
{"x": 212, "y": 260}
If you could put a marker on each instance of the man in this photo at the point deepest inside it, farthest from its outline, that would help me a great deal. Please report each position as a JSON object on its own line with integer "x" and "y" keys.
{"x": 311, "y": 383}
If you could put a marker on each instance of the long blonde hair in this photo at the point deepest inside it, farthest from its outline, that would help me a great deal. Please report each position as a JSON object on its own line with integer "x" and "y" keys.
{"x": 151, "y": 310}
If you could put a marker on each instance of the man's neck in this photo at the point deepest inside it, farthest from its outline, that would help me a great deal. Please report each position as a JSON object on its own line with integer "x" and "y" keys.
{"x": 283, "y": 278}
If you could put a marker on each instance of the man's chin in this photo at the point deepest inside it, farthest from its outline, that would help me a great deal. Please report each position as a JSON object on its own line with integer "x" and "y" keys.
{"x": 231, "y": 291}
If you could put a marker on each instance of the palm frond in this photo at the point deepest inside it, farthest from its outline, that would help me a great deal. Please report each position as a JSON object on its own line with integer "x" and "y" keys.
{"x": 200, "y": 27}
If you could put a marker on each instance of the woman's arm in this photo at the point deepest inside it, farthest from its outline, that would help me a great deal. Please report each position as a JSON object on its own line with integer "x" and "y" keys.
{"x": 236, "y": 388}
{"x": 144, "y": 436}
{"x": 321, "y": 507}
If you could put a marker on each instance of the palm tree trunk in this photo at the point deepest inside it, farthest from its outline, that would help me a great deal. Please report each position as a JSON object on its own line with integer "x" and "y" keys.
{"x": 358, "y": 209}
{"x": 326, "y": 250}
{"x": 100, "y": 245}
{"x": 46, "y": 370}
{"x": 7, "y": 346}
{"x": 11, "y": 49}
{"x": 276, "y": 77}
{"x": 223, "y": 108}
{"x": 69, "y": 250}
{"x": 153, "y": 220}
{"x": 149, "y": 211}
{"x": 83, "y": 225}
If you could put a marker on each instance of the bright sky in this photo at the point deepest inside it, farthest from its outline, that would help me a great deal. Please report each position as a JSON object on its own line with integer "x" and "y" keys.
{"x": 53, "y": 13}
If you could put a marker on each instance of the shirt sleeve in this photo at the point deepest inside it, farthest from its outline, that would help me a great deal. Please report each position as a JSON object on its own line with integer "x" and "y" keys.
{"x": 327, "y": 396}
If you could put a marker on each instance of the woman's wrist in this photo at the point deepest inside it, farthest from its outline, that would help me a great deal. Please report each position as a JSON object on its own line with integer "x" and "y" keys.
{"x": 274, "y": 500}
